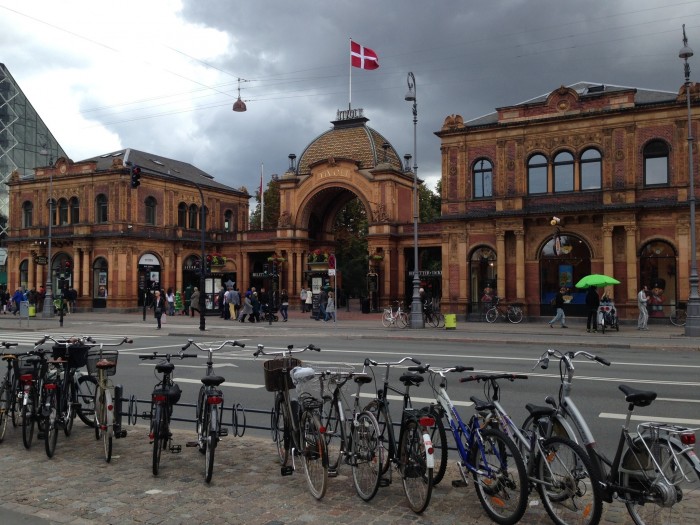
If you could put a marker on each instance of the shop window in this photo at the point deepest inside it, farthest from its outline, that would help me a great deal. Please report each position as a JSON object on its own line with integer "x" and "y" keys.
{"x": 483, "y": 179}
{"x": 537, "y": 174}
{"x": 590, "y": 166}
{"x": 655, "y": 163}
{"x": 563, "y": 172}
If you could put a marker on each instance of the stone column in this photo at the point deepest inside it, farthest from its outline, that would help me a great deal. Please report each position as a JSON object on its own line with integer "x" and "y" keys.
{"x": 608, "y": 258}
{"x": 85, "y": 274}
{"x": 501, "y": 263}
{"x": 31, "y": 266}
{"x": 631, "y": 256}
{"x": 519, "y": 265}
{"x": 178, "y": 272}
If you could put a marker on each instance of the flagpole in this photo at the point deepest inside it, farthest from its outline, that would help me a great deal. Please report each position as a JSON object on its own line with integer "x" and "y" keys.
{"x": 262, "y": 196}
{"x": 350, "y": 86}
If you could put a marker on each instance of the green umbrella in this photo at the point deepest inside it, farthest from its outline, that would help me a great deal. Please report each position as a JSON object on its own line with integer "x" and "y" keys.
{"x": 596, "y": 279}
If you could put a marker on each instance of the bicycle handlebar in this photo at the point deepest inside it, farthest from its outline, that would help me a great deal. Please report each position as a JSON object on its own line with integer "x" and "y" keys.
{"x": 211, "y": 348}
{"x": 492, "y": 377}
{"x": 156, "y": 355}
{"x": 567, "y": 358}
{"x": 289, "y": 351}
{"x": 372, "y": 362}
{"x": 7, "y": 344}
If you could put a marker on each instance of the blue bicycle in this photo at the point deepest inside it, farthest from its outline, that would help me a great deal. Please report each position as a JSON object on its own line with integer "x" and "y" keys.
{"x": 487, "y": 454}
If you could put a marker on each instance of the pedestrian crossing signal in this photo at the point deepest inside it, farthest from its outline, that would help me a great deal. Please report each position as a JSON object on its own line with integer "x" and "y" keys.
{"x": 135, "y": 176}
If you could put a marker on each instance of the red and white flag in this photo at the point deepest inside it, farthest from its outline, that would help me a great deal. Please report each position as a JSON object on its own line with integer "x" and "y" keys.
{"x": 362, "y": 57}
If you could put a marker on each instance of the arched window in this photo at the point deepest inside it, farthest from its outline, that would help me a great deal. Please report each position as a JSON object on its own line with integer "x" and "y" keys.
{"x": 101, "y": 209}
{"x": 182, "y": 215}
{"x": 228, "y": 221}
{"x": 591, "y": 169}
{"x": 53, "y": 211}
{"x": 564, "y": 260}
{"x": 483, "y": 179}
{"x": 193, "y": 216}
{"x": 537, "y": 174}
{"x": 655, "y": 163}
{"x": 62, "y": 212}
{"x": 74, "y": 205}
{"x": 563, "y": 169}
{"x": 151, "y": 209}
{"x": 27, "y": 214}
{"x": 100, "y": 283}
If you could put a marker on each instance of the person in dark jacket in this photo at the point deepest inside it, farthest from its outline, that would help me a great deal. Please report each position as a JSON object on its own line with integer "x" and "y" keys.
{"x": 592, "y": 303}
{"x": 559, "y": 305}
{"x": 158, "y": 307}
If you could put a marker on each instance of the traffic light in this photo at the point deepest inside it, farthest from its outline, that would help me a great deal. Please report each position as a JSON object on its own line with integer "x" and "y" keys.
{"x": 207, "y": 267}
{"x": 135, "y": 172}
{"x": 67, "y": 266}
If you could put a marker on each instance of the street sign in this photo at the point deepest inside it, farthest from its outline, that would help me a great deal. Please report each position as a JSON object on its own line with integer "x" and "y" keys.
{"x": 41, "y": 259}
{"x": 331, "y": 272}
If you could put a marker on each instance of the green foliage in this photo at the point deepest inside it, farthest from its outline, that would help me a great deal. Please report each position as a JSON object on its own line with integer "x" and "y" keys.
{"x": 272, "y": 207}
{"x": 429, "y": 203}
{"x": 351, "y": 228}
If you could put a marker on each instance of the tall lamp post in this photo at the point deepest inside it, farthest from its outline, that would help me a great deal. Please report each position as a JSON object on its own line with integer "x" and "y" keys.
{"x": 202, "y": 266}
{"x": 692, "y": 325}
{"x": 416, "y": 308}
{"x": 48, "y": 297}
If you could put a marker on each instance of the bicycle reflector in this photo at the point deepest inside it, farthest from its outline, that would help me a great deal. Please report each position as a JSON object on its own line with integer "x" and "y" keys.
{"x": 215, "y": 400}
{"x": 158, "y": 398}
{"x": 688, "y": 438}
{"x": 26, "y": 378}
{"x": 426, "y": 421}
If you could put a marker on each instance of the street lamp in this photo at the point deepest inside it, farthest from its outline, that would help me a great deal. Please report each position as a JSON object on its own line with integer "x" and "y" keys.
{"x": 48, "y": 297}
{"x": 416, "y": 308}
{"x": 202, "y": 265}
{"x": 692, "y": 325}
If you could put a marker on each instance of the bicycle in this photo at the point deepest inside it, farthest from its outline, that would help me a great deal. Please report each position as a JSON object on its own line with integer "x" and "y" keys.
{"x": 353, "y": 439}
{"x": 29, "y": 371}
{"x": 8, "y": 396}
{"x": 558, "y": 467}
{"x": 107, "y": 419}
{"x": 512, "y": 312}
{"x": 678, "y": 317}
{"x": 296, "y": 424}
{"x": 166, "y": 393}
{"x": 413, "y": 454}
{"x": 394, "y": 316}
{"x": 655, "y": 470}
{"x": 210, "y": 407}
{"x": 491, "y": 457}
{"x": 431, "y": 316}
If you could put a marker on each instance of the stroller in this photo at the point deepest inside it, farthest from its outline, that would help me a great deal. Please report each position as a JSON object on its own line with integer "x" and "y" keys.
{"x": 607, "y": 317}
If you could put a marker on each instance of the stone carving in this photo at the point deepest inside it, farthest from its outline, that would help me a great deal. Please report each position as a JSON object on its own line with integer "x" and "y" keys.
{"x": 453, "y": 122}
{"x": 285, "y": 219}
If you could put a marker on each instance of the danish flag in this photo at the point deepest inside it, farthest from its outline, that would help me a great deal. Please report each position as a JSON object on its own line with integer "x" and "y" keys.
{"x": 363, "y": 57}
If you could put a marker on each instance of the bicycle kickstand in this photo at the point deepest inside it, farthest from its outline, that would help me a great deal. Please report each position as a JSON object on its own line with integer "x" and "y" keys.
{"x": 288, "y": 470}
{"x": 460, "y": 483}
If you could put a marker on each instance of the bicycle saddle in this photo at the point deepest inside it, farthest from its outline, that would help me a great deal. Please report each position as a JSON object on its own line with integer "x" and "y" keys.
{"x": 639, "y": 398}
{"x": 481, "y": 405}
{"x": 165, "y": 367}
{"x": 538, "y": 411}
{"x": 411, "y": 379}
{"x": 212, "y": 380}
{"x": 104, "y": 364}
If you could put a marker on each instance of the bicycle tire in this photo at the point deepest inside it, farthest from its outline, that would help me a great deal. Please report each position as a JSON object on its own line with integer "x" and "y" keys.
{"x": 572, "y": 495}
{"x": 403, "y": 320}
{"x": 438, "y": 436}
{"x": 28, "y": 411}
{"x": 492, "y": 314}
{"x": 86, "y": 387}
{"x": 277, "y": 427}
{"x": 69, "y": 398}
{"x": 314, "y": 455}
{"x": 16, "y": 396}
{"x": 334, "y": 423}
{"x": 416, "y": 476}
{"x": 156, "y": 431}
{"x": 99, "y": 415}
{"x": 502, "y": 494}
{"x": 105, "y": 426}
{"x": 5, "y": 408}
{"x": 683, "y": 489}
{"x": 386, "y": 319}
{"x": 379, "y": 411}
{"x": 210, "y": 439}
{"x": 515, "y": 314}
{"x": 366, "y": 463}
{"x": 678, "y": 317}
{"x": 201, "y": 420}
{"x": 51, "y": 423}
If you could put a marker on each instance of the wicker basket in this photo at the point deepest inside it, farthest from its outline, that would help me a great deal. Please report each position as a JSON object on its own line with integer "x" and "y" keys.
{"x": 275, "y": 378}
{"x": 94, "y": 356}
{"x": 75, "y": 355}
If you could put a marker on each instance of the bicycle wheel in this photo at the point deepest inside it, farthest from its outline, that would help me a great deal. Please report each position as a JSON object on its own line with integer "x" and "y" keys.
{"x": 28, "y": 412}
{"x": 438, "y": 436}
{"x": 366, "y": 455}
{"x": 378, "y": 410}
{"x": 70, "y": 398}
{"x": 667, "y": 501}
{"x": 210, "y": 438}
{"x": 202, "y": 420}
{"x": 5, "y": 407}
{"x": 678, "y": 317}
{"x": 403, "y": 320}
{"x": 567, "y": 487}
{"x": 50, "y": 411}
{"x": 156, "y": 435}
{"x": 279, "y": 436}
{"x": 99, "y": 412}
{"x": 416, "y": 476}
{"x": 500, "y": 479}
{"x": 386, "y": 319}
{"x": 333, "y": 422}
{"x": 515, "y": 314}
{"x": 86, "y": 386}
{"x": 105, "y": 426}
{"x": 314, "y": 454}
{"x": 492, "y": 314}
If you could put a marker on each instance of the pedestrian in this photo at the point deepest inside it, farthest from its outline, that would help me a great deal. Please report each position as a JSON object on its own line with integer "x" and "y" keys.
{"x": 592, "y": 303}
{"x": 246, "y": 309}
{"x": 330, "y": 308}
{"x": 234, "y": 302}
{"x": 170, "y": 297}
{"x": 322, "y": 300}
{"x": 284, "y": 305}
{"x": 255, "y": 302}
{"x": 302, "y": 298}
{"x": 642, "y": 300}
{"x": 158, "y": 307}
{"x": 194, "y": 302}
{"x": 72, "y": 298}
{"x": 188, "y": 299}
{"x": 221, "y": 303}
{"x": 17, "y": 298}
{"x": 309, "y": 301}
{"x": 559, "y": 305}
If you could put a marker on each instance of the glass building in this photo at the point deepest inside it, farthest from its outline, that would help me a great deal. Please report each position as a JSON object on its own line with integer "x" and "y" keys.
{"x": 25, "y": 143}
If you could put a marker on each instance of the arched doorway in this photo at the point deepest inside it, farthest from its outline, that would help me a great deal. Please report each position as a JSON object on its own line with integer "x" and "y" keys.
{"x": 564, "y": 260}
{"x": 149, "y": 277}
{"x": 100, "y": 283}
{"x": 657, "y": 270}
{"x": 482, "y": 277}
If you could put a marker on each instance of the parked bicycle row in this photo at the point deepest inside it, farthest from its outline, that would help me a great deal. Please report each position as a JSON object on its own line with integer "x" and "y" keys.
{"x": 398, "y": 316}
{"x": 317, "y": 419}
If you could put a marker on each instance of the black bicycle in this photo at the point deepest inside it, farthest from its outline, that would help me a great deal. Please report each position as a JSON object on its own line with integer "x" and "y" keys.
{"x": 8, "y": 396}
{"x": 165, "y": 395}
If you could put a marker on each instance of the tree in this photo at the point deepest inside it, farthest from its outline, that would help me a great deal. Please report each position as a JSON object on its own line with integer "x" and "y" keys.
{"x": 429, "y": 203}
{"x": 272, "y": 207}
{"x": 351, "y": 227}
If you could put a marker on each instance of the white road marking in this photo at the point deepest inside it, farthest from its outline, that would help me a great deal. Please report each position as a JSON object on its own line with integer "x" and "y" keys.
{"x": 672, "y": 420}
{"x": 227, "y": 383}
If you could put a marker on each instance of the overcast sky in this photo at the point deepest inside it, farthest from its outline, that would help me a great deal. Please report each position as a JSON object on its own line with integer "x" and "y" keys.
{"x": 161, "y": 75}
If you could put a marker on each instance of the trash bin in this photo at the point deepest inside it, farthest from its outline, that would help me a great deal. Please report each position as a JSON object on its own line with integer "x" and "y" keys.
{"x": 32, "y": 310}
{"x": 24, "y": 309}
{"x": 450, "y": 321}
{"x": 365, "y": 305}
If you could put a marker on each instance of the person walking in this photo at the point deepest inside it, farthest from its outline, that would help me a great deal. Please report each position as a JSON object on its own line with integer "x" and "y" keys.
{"x": 330, "y": 308}
{"x": 194, "y": 302}
{"x": 284, "y": 305}
{"x": 642, "y": 300}
{"x": 592, "y": 303}
{"x": 170, "y": 298}
{"x": 322, "y": 300}
{"x": 309, "y": 301}
{"x": 255, "y": 301}
{"x": 302, "y": 298}
{"x": 234, "y": 302}
{"x": 246, "y": 309}
{"x": 559, "y": 305}
{"x": 158, "y": 307}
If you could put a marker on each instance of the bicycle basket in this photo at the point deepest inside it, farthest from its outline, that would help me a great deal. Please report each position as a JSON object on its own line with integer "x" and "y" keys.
{"x": 94, "y": 356}
{"x": 275, "y": 378}
{"x": 308, "y": 387}
{"x": 76, "y": 355}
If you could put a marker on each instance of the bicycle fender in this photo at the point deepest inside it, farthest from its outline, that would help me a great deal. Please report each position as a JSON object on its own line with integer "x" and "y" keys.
{"x": 109, "y": 410}
{"x": 428, "y": 444}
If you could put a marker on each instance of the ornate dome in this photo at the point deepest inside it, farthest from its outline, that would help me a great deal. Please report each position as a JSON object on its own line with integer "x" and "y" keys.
{"x": 349, "y": 139}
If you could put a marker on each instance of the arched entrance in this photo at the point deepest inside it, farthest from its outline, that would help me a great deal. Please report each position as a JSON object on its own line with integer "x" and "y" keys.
{"x": 148, "y": 277}
{"x": 100, "y": 283}
{"x": 564, "y": 260}
{"x": 657, "y": 269}
{"x": 482, "y": 277}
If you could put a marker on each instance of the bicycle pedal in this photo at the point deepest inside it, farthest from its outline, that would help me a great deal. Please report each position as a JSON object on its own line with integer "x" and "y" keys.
{"x": 223, "y": 432}
{"x": 459, "y": 483}
{"x": 120, "y": 434}
{"x": 332, "y": 473}
{"x": 384, "y": 482}
{"x": 287, "y": 471}
{"x": 175, "y": 449}
{"x": 191, "y": 444}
